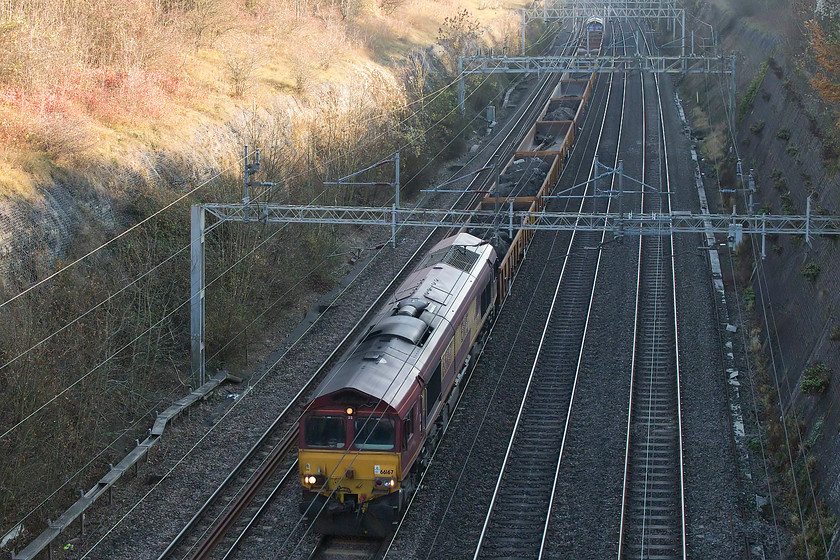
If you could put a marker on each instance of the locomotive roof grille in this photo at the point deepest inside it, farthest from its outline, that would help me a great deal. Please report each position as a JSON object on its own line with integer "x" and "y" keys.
{"x": 408, "y": 328}
{"x": 456, "y": 256}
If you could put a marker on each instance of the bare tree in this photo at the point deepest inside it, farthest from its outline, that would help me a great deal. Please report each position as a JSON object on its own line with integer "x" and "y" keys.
{"x": 204, "y": 20}
{"x": 415, "y": 73}
{"x": 457, "y": 33}
{"x": 242, "y": 59}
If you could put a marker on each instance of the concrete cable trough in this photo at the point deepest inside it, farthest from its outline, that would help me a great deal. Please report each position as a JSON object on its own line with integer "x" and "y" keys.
{"x": 77, "y": 510}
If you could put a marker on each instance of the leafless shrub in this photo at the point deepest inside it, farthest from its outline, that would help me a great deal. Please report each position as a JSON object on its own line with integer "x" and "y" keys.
{"x": 12, "y": 59}
{"x": 61, "y": 136}
{"x": 511, "y": 38}
{"x": 205, "y": 20}
{"x": 332, "y": 46}
{"x": 302, "y": 73}
{"x": 388, "y": 7}
{"x": 242, "y": 61}
{"x": 458, "y": 33}
{"x": 350, "y": 8}
{"x": 415, "y": 72}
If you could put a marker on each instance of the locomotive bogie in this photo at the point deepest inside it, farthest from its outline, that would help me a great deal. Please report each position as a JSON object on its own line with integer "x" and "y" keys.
{"x": 374, "y": 518}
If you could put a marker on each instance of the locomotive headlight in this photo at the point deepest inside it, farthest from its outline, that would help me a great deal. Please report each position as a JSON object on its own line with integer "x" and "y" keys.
{"x": 350, "y": 410}
{"x": 384, "y": 482}
{"x": 309, "y": 479}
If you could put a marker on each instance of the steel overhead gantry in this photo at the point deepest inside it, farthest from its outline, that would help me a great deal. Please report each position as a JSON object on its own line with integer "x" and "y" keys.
{"x": 734, "y": 226}
{"x": 685, "y": 64}
{"x": 690, "y": 64}
{"x": 579, "y": 11}
{"x": 629, "y": 223}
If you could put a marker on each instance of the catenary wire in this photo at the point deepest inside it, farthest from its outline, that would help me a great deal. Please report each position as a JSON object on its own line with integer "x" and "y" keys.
{"x": 169, "y": 205}
{"x": 177, "y": 308}
{"x": 772, "y": 354}
{"x": 762, "y": 273}
{"x": 198, "y": 442}
{"x": 235, "y": 404}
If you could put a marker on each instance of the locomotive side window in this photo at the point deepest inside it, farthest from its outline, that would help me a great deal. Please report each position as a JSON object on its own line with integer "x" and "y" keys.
{"x": 376, "y": 434}
{"x": 408, "y": 427}
{"x": 325, "y": 432}
{"x": 486, "y": 296}
{"x": 433, "y": 391}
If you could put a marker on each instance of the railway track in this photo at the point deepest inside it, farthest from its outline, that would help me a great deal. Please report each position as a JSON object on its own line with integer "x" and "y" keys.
{"x": 241, "y": 497}
{"x": 653, "y": 511}
{"x": 343, "y": 548}
{"x": 232, "y": 510}
{"x": 516, "y": 524}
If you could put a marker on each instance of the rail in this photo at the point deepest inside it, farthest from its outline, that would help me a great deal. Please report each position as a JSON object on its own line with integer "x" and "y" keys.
{"x": 538, "y": 436}
{"x": 78, "y": 509}
{"x": 221, "y": 522}
{"x": 653, "y": 496}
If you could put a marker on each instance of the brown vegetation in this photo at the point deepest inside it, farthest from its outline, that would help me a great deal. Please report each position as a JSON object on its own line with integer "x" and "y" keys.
{"x": 82, "y": 81}
{"x": 787, "y": 446}
{"x": 143, "y": 100}
{"x": 827, "y": 57}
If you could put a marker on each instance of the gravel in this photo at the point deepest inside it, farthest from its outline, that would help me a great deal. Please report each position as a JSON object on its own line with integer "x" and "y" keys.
{"x": 449, "y": 509}
{"x": 192, "y": 459}
{"x": 148, "y": 527}
{"x": 561, "y": 111}
{"x": 448, "y": 513}
{"x": 523, "y": 177}
{"x": 446, "y": 519}
{"x": 587, "y": 507}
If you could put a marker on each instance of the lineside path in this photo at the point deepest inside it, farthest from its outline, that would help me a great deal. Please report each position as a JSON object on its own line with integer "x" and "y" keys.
{"x": 714, "y": 523}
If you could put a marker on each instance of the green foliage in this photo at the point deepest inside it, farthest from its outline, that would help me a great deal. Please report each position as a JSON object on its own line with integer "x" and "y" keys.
{"x": 835, "y": 333}
{"x": 830, "y": 152}
{"x": 539, "y": 37}
{"x": 816, "y": 432}
{"x": 779, "y": 181}
{"x": 748, "y": 100}
{"x": 783, "y": 134}
{"x": 754, "y": 443}
{"x": 787, "y": 203}
{"x": 815, "y": 379}
{"x": 792, "y": 150}
{"x": 757, "y": 127}
{"x": 811, "y": 271}
{"x": 749, "y": 298}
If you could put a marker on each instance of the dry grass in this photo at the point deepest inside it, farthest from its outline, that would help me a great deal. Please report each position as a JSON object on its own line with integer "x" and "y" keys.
{"x": 92, "y": 82}
{"x": 140, "y": 103}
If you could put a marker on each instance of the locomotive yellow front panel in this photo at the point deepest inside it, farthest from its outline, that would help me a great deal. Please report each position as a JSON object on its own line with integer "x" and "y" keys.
{"x": 364, "y": 474}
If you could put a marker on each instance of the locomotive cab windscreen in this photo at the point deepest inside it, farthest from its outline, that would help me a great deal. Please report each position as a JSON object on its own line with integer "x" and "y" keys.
{"x": 325, "y": 432}
{"x": 360, "y": 431}
{"x": 374, "y": 434}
